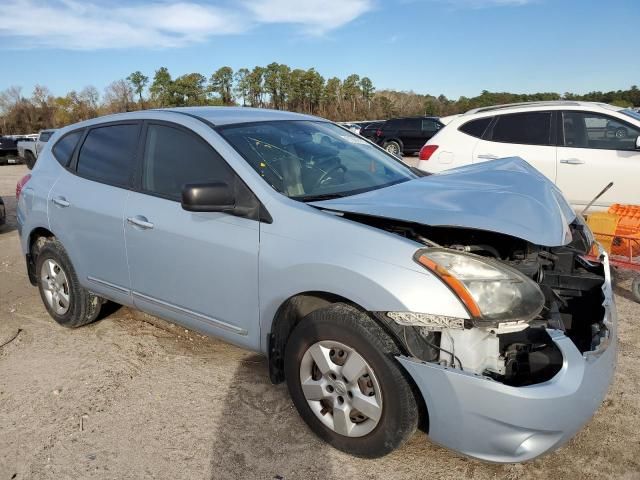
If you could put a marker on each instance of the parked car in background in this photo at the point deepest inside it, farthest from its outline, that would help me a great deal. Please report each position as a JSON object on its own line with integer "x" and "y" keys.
{"x": 8, "y": 150}
{"x": 29, "y": 150}
{"x": 385, "y": 299}
{"x": 404, "y": 136}
{"x": 351, "y": 126}
{"x": 369, "y": 129}
{"x": 580, "y": 146}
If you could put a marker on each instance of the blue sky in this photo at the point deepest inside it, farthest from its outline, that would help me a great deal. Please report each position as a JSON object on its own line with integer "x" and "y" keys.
{"x": 455, "y": 47}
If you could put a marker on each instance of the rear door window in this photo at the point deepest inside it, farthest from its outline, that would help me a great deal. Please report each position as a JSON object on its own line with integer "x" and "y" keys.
{"x": 64, "y": 148}
{"x": 411, "y": 124}
{"x": 394, "y": 124}
{"x": 108, "y": 154}
{"x": 530, "y": 128}
{"x": 174, "y": 157}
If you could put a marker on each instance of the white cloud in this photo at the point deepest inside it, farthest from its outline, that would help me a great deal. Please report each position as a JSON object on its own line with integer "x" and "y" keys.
{"x": 91, "y": 24}
{"x": 314, "y": 16}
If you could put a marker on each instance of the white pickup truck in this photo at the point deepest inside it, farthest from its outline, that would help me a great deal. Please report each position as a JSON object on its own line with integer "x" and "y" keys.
{"x": 28, "y": 150}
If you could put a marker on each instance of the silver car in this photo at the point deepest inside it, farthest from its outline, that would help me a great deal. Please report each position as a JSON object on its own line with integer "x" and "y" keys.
{"x": 460, "y": 303}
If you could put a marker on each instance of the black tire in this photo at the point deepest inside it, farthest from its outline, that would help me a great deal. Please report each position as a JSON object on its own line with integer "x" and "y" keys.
{"x": 635, "y": 289}
{"x": 621, "y": 132}
{"x": 84, "y": 306}
{"x": 29, "y": 159}
{"x": 345, "y": 324}
{"x": 393, "y": 147}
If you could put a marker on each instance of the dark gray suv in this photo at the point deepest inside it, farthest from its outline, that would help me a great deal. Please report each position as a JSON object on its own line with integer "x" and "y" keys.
{"x": 407, "y": 135}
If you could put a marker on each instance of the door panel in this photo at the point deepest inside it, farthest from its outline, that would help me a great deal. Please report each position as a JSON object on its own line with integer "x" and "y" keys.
{"x": 199, "y": 269}
{"x": 542, "y": 157}
{"x": 598, "y": 149}
{"x": 86, "y": 208}
{"x": 584, "y": 172}
{"x": 411, "y": 134}
{"x": 86, "y": 216}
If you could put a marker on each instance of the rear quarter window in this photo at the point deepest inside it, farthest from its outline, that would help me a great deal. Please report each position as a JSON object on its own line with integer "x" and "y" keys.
{"x": 45, "y": 136}
{"x": 477, "y": 127}
{"x": 64, "y": 148}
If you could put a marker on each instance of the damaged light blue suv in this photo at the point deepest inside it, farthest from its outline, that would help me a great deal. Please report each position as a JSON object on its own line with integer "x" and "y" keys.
{"x": 460, "y": 303}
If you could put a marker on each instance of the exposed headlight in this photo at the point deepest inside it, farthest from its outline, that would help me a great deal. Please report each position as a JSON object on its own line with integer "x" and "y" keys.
{"x": 491, "y": 291}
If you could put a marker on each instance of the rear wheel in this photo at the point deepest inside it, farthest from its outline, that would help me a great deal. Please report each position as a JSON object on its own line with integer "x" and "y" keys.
{"x": 346, "y": 384}
{"x": 66, "y": 301}
{"x": 29, "y": 159}
{"x": 393, "y": 148}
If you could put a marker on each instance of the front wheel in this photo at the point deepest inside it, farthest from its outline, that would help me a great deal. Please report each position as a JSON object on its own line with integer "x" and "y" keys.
{"x": 346, "y": 384}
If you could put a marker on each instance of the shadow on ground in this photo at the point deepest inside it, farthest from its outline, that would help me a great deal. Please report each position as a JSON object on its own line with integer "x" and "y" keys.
{"x": 276, "y": 443}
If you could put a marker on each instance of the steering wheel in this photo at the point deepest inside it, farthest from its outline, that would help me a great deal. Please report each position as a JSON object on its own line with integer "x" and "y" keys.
{"x": 328, "y": 174}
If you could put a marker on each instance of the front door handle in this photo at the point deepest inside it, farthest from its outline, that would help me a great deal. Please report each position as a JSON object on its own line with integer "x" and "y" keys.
{"x": 60, "y": 201}
{"x": 488, "y": 156}
{"x": 572, "y": 161}
{"x": 140, "y": 222}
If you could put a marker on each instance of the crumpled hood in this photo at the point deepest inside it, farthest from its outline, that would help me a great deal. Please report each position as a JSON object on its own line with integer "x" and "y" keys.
{"x": 507, "y": 196}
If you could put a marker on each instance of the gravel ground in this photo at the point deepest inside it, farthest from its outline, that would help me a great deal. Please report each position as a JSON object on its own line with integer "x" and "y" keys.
{"x": 132, "y": 396}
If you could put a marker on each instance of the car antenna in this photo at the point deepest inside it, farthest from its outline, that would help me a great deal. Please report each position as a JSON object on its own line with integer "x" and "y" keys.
{"x": 604, "y": 190}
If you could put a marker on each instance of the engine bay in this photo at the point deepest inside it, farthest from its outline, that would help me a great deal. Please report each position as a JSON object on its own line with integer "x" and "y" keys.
{"x": 515, "y": 354}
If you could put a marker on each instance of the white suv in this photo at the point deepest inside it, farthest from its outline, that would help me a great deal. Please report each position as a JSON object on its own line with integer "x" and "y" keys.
{"x": 581, "y": 146}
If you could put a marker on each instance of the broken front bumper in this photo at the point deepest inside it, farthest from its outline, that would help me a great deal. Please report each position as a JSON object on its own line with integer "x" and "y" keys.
{"x": 491, "y": 421}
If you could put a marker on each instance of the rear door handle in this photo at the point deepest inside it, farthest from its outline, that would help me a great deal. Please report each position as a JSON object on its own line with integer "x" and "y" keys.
{"x": 140, "y": 222}
{"x": 60, "y": 201}
{"x": 488, "y": 156}
{"x": 572, "y": 161}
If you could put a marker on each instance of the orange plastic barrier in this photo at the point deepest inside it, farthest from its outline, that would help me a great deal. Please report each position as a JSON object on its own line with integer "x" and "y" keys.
{"x": 603, "y": 225}
{"x": 629, "y": 226}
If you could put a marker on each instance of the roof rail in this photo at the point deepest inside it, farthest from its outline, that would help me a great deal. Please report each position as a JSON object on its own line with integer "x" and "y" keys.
{"x": 547, "y": 103}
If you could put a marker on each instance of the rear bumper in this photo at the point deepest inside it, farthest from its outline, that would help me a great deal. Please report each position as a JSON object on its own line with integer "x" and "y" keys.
{"x": 491, "y": 421}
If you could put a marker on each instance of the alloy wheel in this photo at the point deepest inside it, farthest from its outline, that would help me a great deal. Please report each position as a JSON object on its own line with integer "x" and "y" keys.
{"x": 55, "y": 286}
{"x": 392, "y": 148}
{"x": 341, "y": 388}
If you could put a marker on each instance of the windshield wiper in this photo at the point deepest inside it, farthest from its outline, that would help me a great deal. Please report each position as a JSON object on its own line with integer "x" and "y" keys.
{"x": 317, "y": 198}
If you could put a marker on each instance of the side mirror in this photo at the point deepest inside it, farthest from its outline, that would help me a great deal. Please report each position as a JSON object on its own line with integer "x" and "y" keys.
{"x": 638, "y": 142}
{"x": 208, "y": 197}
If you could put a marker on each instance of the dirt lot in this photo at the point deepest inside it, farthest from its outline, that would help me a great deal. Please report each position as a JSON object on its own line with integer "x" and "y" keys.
{"x": 132, "y": 396}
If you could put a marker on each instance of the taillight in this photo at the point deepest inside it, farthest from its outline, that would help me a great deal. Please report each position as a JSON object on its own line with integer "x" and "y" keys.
{"x": 426, "y": 151}
{"x": 20, "y": 185}
{"x": 379, "y": 132}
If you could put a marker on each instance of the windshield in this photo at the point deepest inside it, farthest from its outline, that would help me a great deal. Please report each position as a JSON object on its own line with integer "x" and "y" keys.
{"x": 309, "y": 160}
{"x": 631, "y": 113}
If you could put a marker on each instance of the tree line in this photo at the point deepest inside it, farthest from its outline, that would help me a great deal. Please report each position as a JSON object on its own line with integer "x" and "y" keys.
{"x": 273, "y": 86}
